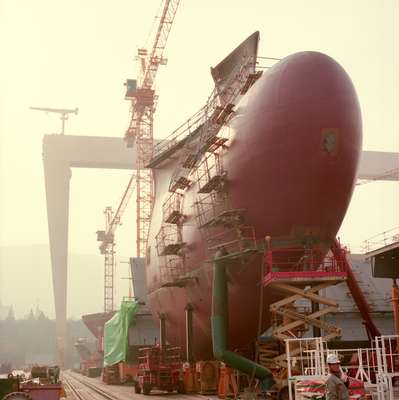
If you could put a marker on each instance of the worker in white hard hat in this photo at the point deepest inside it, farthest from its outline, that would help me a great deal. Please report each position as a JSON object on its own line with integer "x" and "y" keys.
{"x": 337, "y": 382}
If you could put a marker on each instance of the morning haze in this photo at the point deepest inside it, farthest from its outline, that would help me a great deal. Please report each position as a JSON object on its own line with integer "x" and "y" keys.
{"x": 78, "y": 54}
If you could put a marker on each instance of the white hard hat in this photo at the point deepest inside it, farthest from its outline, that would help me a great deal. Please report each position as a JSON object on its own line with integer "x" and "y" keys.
{"x": 332, "y": 359}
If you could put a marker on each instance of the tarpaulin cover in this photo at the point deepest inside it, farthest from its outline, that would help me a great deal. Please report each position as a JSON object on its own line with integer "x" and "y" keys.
{"x": 116, "y": 333}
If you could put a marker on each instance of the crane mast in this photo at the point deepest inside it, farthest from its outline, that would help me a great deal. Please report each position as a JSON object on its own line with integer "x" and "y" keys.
{"x": 140, "y": 131}
{"x": 107, "y": 246}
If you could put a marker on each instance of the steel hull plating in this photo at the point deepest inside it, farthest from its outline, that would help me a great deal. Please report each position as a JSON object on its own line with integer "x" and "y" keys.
{"x": 291, "y": 165}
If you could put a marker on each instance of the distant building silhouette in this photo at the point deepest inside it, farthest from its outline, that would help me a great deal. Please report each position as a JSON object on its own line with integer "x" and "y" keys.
{"x": 4, "y": 311}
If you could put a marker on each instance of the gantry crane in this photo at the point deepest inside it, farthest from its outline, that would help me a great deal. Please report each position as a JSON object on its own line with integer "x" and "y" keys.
{"x": 64, "y": 114}
{"x": 143, "y": 99}
{"x": 107, "y": 246}
{"x": 386, "y": 175}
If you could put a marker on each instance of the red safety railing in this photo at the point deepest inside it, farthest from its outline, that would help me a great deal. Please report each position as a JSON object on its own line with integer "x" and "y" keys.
{"x": 300, "y": 262}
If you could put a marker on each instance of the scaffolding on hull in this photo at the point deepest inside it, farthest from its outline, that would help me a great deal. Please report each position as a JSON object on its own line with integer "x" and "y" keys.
{"x": 200, "y": 148}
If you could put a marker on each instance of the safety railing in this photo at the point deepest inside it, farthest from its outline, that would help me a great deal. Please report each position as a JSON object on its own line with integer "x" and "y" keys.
{"x": 212, "y": 109}
{"x": 209, "y": 207}
{"x": 172, "y": 209}
{"x": 306, "y": 357}
{"x": 381, "y": 240}
{"x": 387, "y": 353}
{"x": 172, "y": 268}
{"x": 263, "y": 63}
{"x": 185, "y": 129}
{"x": 235, "y": 240}
{"x": 169, "y": 240}
{"x": 302, "y": 262}
{"x": 371, "y": 371}
{"x": 308, "y": 369}
{"x": 210, "y": 173}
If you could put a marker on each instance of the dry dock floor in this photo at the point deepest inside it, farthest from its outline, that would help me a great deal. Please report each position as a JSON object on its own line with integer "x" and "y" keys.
{"x": 117, "y": 392}
{"x": 76, "y": 389}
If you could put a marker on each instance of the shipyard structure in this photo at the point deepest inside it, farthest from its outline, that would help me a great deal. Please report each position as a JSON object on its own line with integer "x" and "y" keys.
{"x": 240, "y": 282}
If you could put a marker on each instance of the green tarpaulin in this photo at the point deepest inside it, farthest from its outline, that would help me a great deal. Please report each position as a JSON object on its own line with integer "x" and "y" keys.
{"x": 116, "y": 333}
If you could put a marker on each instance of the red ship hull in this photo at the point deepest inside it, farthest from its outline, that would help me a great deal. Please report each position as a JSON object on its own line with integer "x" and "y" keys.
{"x": 291, "y": 165}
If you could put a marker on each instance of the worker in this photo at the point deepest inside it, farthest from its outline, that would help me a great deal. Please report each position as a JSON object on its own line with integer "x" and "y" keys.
{"x": 53, "y": 374}
{"x": 337, "y": 382}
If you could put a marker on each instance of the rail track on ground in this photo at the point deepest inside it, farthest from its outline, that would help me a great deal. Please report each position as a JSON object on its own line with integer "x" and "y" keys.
{"x": 81, "y": 389}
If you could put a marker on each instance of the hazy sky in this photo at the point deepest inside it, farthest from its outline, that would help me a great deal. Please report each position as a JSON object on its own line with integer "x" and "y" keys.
{"x": 78, "y": 53}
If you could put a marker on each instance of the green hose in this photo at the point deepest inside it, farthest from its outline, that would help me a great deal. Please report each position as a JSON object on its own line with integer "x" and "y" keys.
{"x": 220, "y": 326}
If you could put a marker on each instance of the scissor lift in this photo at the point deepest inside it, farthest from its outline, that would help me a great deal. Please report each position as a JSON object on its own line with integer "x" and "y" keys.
{"x": 302, "y": 274}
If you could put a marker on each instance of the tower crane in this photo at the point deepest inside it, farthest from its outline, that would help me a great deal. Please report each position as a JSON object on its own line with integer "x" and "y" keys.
{"x": 107, "y": 246}
{"x": 141, "y": 94}
{"x": 64, "y": 114}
